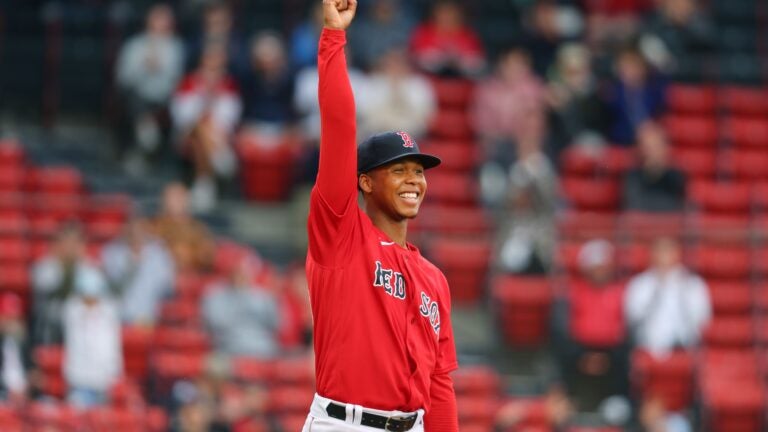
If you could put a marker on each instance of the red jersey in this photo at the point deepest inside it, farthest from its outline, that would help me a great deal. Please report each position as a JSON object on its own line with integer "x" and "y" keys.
{"x": 597, "y": 313}
{"x": 383, "y": 336}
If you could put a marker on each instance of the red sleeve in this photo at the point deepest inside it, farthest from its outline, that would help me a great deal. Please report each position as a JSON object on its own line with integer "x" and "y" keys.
{"x": 446, "y": 356}
{"x": 333, "y": 202}
{"x": 337, "y": 175}
{"x": 442, "y": 415}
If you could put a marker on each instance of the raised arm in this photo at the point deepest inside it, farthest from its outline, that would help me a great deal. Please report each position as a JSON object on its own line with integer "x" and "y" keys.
{"x": 337, "y": 174}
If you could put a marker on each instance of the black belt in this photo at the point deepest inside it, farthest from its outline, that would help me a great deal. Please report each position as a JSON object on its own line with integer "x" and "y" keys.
{"x": 395, "y": 424}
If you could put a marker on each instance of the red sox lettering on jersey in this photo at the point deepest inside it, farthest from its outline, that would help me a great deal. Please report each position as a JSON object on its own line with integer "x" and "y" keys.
{"x": 394, "y": 285}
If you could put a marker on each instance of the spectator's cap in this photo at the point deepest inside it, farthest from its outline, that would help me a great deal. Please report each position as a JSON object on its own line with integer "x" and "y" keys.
{"x": 387, "y": 147}
{"x": 90, "y": 283}
{"x": 594, "y": 253}
{"x": 11, "y": 307}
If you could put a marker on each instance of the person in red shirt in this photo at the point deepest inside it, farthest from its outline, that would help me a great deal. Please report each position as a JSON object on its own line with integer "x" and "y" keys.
{"x": 445, "y": 45}
{"x": 592, "y": 348}
{"x": 383, "y": 340}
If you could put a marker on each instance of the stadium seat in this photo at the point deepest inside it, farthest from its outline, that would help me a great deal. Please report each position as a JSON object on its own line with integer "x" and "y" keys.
{"x": 476, "y": 381}
{"x": 477, "y": 409}
{"x": 730, "y": 332}
{"x": 454, "y": 93}
{"x": 451, "y": 124}
{"x": 700, "y": 164}
{"x": 644, "y": 226}
{"x": 742, "y": 100}
{"x": 15, "y": 277}
{"x": 267, "y": 169}
{"x": 465, "y": 263}
{"x": 250, "y": 369}
{"x": 461, "y": 156}
{"x": 633, "y": 258}
{"x": 730, "y": 298}
{"x": 298, "y": 371}
{"x": 691, "y": 130}
{"x": 61, "y": 180}
{"x": 747, "y": 132}
{"x": 14, "y": 249}
{"x": 285, "y": 400}
{"x": 721, "y": 197}
{"x": 691, "y": 99}
{"x": 452, "y": 188}
{"x": 188, "y": 340}
{"x": 585, "y": 225}
{"x": 11, "y": 154}
{"x": 182, "y": 311}
{"x": 591, "y": 195}
{"x": 669, "y": 378}
{"x": 751, "y": 165}
{"x": 523, "y": 305}
{"x": 173, "y": 365}
{"x": 12, "y": 179}
{"x": 720, "y": 261}
{"x": 137, "y": 343}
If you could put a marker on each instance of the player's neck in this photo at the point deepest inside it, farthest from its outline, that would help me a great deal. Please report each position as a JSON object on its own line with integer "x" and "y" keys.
{"x": 397, "y": 231}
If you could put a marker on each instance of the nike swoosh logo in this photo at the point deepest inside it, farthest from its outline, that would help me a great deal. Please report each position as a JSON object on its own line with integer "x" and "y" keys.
{"x": 387, "y": 243}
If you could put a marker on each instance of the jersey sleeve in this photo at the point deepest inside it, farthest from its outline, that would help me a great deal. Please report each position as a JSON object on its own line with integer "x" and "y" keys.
{"x": 443, "y": 412}
{"x": 446, "y": 355}
{"x": 333, "y": 202}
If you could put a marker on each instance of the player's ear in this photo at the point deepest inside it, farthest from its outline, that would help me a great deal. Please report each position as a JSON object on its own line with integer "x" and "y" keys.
{"x": 364, "y": 182}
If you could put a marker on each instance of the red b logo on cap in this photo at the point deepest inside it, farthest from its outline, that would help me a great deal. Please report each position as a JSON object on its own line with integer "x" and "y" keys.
{"x": 407, "y": 141}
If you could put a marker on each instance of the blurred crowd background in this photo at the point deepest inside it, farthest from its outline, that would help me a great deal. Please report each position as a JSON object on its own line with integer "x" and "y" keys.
{"x": 600, "y": 213}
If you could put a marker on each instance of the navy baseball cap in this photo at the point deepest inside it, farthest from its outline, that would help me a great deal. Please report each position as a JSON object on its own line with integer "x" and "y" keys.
{"x": 387, "y": 147}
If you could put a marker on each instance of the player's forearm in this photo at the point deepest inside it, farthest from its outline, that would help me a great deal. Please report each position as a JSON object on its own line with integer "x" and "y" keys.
{"x": 442, "y": 415}
{"x": 337, "y": 173}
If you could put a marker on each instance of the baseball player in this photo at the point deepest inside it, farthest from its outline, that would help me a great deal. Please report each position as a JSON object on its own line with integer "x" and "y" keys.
{"x": 383, "y": 341}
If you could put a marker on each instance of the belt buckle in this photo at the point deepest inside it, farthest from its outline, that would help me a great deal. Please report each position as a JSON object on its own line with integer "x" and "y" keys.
{"x": 399, "y": 419}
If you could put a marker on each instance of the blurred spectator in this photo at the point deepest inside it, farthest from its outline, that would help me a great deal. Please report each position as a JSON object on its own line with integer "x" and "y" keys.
{"x": 149, "y": 66}
{"x": 93, "y": 353}
{"x": 445, "y": 45}
{"x": 188, "y": 240}
{"x": 399, "y": 99}
{"x": 681, "y": 29}
{"x": 635, "y": 96}
{"x": 244, "y": 319}
{"x": 655, "y": 418}
{"x": 578, "y": 112}
{"x": 667, "y": 306}
{"x": 527, "y": 229}
{"x": 14, "y": 354}
{"x": 140, "y": 272}
{"x": 654, "y": 185}
{"x": 268, "y": 87}
{"x": 53, "y": 281}
{"x": 305, "y": 38}
{"x": 507, "y": 104}
{"x": 591, "y": 339}
{"x": 385, "y": 27}
{"x": 545, "y": 32}
{"x": 205, "y": 110}
{"x": 197, "y": 410}
{"x": 219, "y": 29}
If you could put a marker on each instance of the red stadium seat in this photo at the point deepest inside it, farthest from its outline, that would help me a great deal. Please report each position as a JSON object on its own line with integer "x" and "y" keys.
{"x": 11, "y": 154}
{"x": 452, "y": 188}
{"x": 12, "y": 179}
{"x": 730, "y": 298}
{"x": 691, "y": 99}
{"x": 633, "y": 258}
{"x": 137, "y": 343}
{"x": 692, "y": 130}
{"x": 592, "y": 195}
{"x": 252, "y": 370}
{"x": 747, "y": 132}
{"x": 745, "y": 100}
{"x": 174, "y": 365}
{"x": 696, "y": 163}
{"x": 14, "y": 249}
{"x": 15, "y": 277}
{"x": 461, "y": 156}
{"x": 670, "y": 378}
{"x": 586, "y": 225}
{"x": 721, "y": 261}
{"x": 451, "y": 92}
{"x": 267, "y": 170}
{"x": 285, "y": 400}
{"x": 476, "y": 381}
{"x": 524, "y": 307}
{"x": 62, "y": 180}
{"x": 465, "y": 263}
{"x": 746, "y": 164}
{"x": 451, "y": 124}
{"x": 720, "y": 197}
{"x": 477, "y": 409}
{"x": 730, "y": 332}
{"x": 642, "y": 226}
{"x": 181, "y": 311}
{"x": 181, "y": 340}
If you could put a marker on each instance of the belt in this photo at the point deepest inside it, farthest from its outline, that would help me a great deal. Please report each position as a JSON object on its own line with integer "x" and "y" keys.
{"x": 395, "y": 423}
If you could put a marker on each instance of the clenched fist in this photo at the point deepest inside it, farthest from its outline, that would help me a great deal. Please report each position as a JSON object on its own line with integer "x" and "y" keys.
{"x": 338, "y": 14}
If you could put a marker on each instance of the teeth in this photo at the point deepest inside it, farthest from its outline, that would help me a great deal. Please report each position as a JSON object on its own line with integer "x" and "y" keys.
{"x": 413, "y": 195}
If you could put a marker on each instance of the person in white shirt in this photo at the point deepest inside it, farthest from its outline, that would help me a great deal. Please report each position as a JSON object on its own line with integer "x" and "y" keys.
{"x": 14, "y": 358}
{"x": 667, "y": 306}
{"x": 93, "y": 357}
{"x": 398, "y": 98}
{"x": 141, "y": 271}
